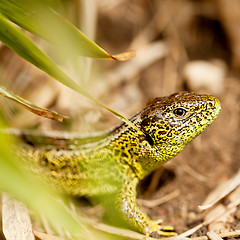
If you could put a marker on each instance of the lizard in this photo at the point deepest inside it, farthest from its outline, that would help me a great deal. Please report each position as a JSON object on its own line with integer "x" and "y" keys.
{"x": 114, "y": 162}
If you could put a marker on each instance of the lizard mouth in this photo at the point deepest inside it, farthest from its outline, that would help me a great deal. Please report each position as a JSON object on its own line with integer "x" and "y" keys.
{"x": 216, "y": 108}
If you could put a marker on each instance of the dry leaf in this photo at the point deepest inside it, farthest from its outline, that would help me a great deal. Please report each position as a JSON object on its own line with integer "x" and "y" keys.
{"x": 16, "y": 221}
{"x": 157, "y": 202}
{"x": 124, "y": 56}
{"x": 43, "y": 112}
{"x": 221, "y": 191}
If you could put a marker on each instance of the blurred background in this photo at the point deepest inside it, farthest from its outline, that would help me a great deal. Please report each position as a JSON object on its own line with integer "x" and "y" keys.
{"x": 191, "y": 45}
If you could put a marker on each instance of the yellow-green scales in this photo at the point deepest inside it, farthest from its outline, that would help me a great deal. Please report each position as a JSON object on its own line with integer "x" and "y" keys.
{"x": 112, "y": 164}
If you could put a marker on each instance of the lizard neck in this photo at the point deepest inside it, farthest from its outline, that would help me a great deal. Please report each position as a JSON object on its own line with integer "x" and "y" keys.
{"x": 136, "y": 149}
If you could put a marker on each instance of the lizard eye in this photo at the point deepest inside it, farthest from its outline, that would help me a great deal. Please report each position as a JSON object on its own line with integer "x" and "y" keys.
{"x": 179, "y": 112}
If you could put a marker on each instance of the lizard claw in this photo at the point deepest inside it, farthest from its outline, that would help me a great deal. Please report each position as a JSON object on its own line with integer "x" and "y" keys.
{"x": 166, "y": 228}
{"x": 157, "y": 230}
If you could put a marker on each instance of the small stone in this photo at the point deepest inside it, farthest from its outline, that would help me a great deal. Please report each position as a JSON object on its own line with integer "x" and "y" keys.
{"x": 155, "y": 235}
{"x": 219, "y": 227}
{"x": 203, "y": 76}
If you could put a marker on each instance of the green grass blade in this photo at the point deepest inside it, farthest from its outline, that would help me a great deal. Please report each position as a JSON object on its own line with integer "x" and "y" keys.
{"x": 37, "y": 17}
{"x": 24, "y": 47}
{"x": 20, "y": 184}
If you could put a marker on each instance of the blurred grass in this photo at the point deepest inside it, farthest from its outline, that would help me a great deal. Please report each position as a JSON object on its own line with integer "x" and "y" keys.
{"x": 40, "y": 19}
{"x": 20, "y": 184}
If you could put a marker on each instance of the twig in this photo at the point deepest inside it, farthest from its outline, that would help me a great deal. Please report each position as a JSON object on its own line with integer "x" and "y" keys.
{"x": 193, "y": 173}
{"x": 206, "y": 222}
{"x": 235, "y": 233}
{"x": 157, "y": 202}
{"x": 154, "y": 182}
{"x": 221, "y": 191}
{"x": 121, "y": 232}
{"x": 213, "y": 236}
{"x": 145, "y": 57}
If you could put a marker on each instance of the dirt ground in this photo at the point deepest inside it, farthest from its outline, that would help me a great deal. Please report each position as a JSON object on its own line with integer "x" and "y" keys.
{"x": 168, "y": 37}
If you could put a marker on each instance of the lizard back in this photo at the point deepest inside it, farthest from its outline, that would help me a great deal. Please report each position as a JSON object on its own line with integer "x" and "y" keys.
{"x": 101, "y": 163}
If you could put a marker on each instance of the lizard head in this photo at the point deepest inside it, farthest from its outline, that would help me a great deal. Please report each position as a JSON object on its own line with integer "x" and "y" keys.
{"x": 172, "y": 122}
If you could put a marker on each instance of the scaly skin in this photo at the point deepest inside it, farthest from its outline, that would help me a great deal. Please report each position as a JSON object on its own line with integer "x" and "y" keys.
{"x": 115, "y": 162}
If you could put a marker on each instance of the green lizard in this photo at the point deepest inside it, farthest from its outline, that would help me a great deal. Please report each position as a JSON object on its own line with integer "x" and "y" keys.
{"x": 114, "y": 162}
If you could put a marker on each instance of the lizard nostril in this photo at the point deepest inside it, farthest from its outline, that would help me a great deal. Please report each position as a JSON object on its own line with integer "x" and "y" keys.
{"x": 211, "y": 104}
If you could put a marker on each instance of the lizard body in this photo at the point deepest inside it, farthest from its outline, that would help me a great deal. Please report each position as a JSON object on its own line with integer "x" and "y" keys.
{"x": 115, "y": 162}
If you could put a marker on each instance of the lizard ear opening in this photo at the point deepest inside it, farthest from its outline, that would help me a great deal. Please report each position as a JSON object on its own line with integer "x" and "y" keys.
{"x": 149, "y": 139}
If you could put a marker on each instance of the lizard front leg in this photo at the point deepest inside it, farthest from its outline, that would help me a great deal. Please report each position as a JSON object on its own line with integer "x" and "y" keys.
{"x": 133, "y": 215}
